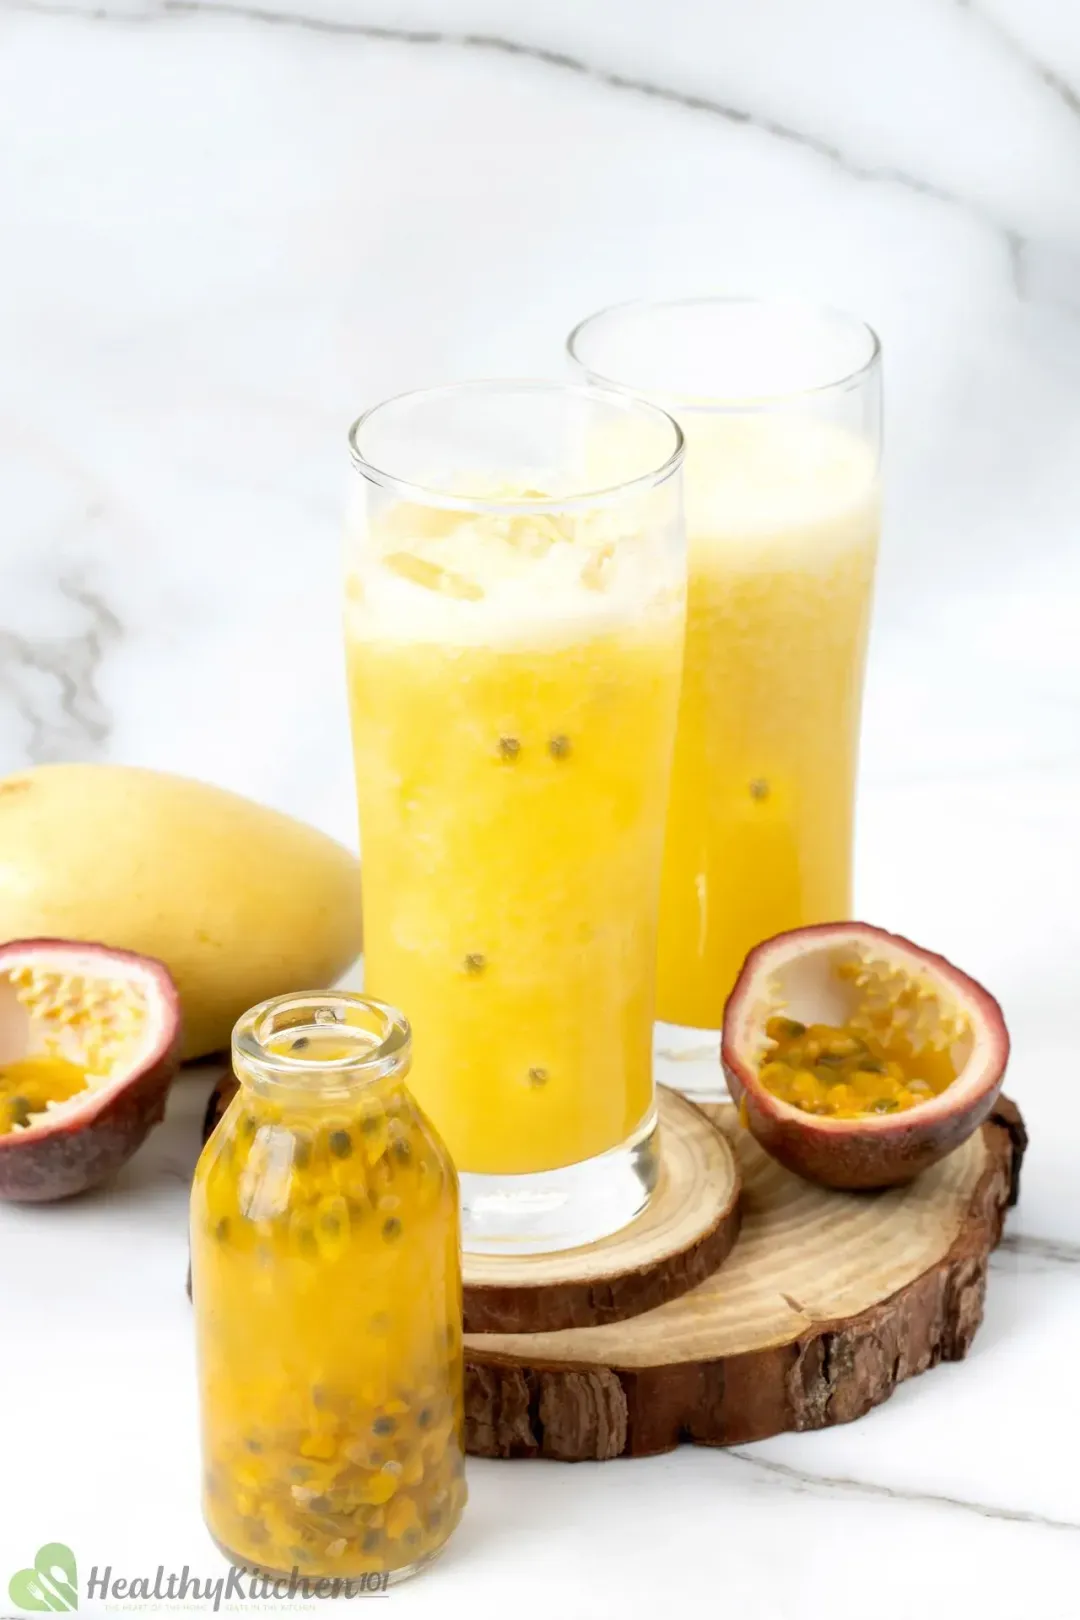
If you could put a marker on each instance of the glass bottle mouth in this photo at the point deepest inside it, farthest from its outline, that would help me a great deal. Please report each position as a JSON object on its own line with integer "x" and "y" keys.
{"x": 321, "y": 1040}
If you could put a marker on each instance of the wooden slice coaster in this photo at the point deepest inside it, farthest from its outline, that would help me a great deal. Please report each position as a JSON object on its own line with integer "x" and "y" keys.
{"x": 826, "y": 1303}
{"x": 681, "y": 1238}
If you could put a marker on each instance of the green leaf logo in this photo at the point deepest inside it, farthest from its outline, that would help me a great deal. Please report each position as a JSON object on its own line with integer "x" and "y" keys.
{"x": 52, "y": 1586}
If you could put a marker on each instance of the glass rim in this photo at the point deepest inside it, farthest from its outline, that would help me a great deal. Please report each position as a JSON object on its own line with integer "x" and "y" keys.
{"x": 847, "y": 380}
{"x": 429, "y": 495}
{"x": 392, "y": 1038}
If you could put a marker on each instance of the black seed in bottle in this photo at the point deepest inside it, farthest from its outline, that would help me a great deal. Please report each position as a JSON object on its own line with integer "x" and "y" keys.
{"x": 253, "y": 1445}
{"x": 759, "y": 788}
{"x": 558, "y": 747}
{"x": 423, "y": 1417}
{"x": 330, "y": 1222}
{"x": 391, "y": 1228}
{"x": 300, "y": 1042}
{"x": 320, "y": 1504}
{"x": 221, "y": 1230}
{"x": 509, "y": 748}
{"x": 301, "y": 1152}
{"x": 340, "y": 1144}
{"x": 401, "y": 1150}
{"x": 383, "y": 1425}
{"x": 372, "y": 1539}
{"x": 538, "y": 1077}
{"x": 475, "y": 962}
{"x": 371, "y": 1123}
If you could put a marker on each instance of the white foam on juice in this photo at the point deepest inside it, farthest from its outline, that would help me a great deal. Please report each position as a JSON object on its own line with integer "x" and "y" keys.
{"x": 513, "y": 579}
{"x": 777, "y": 491}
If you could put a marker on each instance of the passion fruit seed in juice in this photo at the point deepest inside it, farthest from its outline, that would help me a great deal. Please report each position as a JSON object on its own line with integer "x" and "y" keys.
{"x": 782, "y": 519}
{"x": 325, "y": 1253}
{"x": 511, "y": 772}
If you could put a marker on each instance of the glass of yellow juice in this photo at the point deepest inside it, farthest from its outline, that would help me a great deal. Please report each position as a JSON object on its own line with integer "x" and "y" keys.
{"x": 515, "y": 617}
{"x": 780, "y": 404}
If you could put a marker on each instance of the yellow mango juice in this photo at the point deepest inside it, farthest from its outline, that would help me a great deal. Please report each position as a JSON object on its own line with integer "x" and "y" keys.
{"x": 513, "y": 685}
{"x": 782, "y": 520}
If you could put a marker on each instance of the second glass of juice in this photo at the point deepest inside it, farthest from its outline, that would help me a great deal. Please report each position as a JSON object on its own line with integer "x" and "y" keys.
{"x": 781, "y": 407}
{"x": 515, "y": 614}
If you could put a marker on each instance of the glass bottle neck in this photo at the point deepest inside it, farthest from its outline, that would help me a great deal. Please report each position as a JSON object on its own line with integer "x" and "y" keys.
{"x": 322, "y": 1047}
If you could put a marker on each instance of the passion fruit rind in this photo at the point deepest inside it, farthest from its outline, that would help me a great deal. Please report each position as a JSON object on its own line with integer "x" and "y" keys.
{"x": 82, "y": 1143}
{"x": 886, "y": 1159}
{"x": 869, "y": 1151}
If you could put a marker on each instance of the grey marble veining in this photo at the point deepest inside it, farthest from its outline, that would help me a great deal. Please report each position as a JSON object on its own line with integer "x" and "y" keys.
{"x": 795, "y": 1479}
{"x": 52, "y": 682}
{"x": 1015, "y": 242}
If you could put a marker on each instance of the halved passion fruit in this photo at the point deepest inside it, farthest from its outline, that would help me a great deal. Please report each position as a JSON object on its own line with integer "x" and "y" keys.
{"x": 89, "y": 1043}
{"x": 857, "y": 1058}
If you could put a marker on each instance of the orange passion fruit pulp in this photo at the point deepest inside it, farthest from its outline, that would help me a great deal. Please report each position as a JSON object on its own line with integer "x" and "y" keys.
{"x": 859, "y": 1059}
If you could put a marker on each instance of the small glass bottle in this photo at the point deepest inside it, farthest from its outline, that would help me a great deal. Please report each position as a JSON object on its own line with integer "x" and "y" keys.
{"x": 325, "y": 1241}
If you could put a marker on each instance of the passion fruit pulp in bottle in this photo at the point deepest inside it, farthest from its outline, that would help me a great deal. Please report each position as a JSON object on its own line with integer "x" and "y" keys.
{"x": 326, "y": 1280}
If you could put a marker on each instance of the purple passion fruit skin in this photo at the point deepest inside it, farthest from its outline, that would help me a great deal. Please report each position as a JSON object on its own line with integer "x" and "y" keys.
{"x": 901, "y": 999}
{"x": 114, "y": 1016}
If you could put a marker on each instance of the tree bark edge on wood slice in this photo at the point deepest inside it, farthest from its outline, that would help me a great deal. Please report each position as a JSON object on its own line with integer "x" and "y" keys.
{"x": 833, "y": 1371}
{"x": 682, "y": 1237}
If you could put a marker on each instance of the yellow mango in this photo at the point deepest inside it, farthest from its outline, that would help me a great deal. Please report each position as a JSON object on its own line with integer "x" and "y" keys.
{"x": 239, "y": 902}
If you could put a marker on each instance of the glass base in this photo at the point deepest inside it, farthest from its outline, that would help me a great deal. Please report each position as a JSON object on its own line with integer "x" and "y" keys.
{"x": 688, "y": 1060}
{"x": 358, "y": 1585}
{"x": 560, "y": 1209}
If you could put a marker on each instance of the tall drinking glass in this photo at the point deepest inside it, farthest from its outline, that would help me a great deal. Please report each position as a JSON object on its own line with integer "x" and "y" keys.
{"x": 515, "y": 614}
{"x": 781, "y": 408}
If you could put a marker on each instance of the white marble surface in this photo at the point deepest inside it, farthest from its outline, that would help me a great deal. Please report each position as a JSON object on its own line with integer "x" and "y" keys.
{"x": 226, "y": 227}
